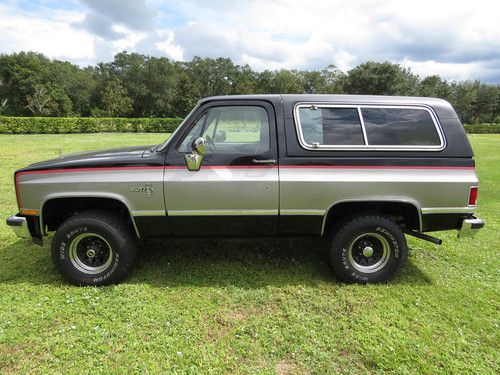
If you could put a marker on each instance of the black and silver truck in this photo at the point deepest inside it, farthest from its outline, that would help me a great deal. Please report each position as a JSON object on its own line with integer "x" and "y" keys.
{"x": 361, "y": 171}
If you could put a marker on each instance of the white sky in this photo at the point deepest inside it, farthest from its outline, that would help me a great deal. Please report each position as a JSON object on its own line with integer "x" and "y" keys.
{"x": 455, "y": 39}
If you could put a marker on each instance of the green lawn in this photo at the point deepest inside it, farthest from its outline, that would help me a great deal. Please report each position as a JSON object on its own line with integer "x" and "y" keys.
{"x": 249, "y": 305}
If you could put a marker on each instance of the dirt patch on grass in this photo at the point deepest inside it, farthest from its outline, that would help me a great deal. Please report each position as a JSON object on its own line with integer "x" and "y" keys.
{"x": 285, "y": 367}
{"x": 11, "y": 356}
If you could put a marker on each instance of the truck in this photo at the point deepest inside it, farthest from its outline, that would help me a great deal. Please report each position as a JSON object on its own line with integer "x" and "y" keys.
{"x": 360, "y": 171}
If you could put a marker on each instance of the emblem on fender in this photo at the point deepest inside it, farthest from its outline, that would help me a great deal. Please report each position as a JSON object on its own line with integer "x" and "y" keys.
{"x": 147, "y": 188}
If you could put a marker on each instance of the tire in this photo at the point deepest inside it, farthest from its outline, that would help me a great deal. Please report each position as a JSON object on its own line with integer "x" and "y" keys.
{"x": 94, "y": 248}
{"x": 368, "y": 249}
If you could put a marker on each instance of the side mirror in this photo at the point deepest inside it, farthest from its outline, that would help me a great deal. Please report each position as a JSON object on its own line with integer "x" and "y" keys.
{"x": 195, "y": 158}
{"x": 198, "y": 146}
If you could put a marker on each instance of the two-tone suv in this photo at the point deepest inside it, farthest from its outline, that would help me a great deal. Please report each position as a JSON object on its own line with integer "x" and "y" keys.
{"x": 361, "y": 171}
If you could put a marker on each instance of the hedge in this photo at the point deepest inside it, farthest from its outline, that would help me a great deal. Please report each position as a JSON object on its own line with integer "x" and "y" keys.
{"x": 483, "y": 129}
{"x": 55, "y": 125}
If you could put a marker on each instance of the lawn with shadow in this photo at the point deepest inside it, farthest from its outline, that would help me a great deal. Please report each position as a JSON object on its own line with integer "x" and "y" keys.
{"x": 249, "y": 305}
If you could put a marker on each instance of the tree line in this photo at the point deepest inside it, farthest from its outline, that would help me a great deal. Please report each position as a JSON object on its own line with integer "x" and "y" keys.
{"x": 135, "y": 85}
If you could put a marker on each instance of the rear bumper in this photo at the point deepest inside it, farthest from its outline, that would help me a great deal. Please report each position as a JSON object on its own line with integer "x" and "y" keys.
{"x": 19, "y": 225}
{"x": 470, "y": 226}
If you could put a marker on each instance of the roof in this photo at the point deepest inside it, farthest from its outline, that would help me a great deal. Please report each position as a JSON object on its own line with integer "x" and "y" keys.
{"x": 344, "y": 99}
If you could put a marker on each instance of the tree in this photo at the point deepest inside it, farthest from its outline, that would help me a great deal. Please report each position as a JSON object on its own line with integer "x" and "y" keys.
{"x": 434, "y": 86}
{"x": 40, "y": 103}
{"x": 335, "y": 80}
{"x": 463, "y": 96}
{"x": 381, "y": 79}
{"x": 280, "y": 81}
{"x": 34, "y": 85}
{"x": 485, "y": 105}
{"x": 186, "y": 95}
{"x": 115, "y": 101}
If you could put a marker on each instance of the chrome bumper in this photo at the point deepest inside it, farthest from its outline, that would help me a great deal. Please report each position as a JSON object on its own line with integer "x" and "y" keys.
{"x": 19, "y": 226}
{"x": 470, "y": 226}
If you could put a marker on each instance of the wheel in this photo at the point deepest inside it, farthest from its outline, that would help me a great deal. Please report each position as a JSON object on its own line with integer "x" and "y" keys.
{"x": 368, "y": 249}
{"x": 94, "y": 248}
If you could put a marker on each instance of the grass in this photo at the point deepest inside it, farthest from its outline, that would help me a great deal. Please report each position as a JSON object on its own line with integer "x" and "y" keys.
{"x": 244, "y": 306}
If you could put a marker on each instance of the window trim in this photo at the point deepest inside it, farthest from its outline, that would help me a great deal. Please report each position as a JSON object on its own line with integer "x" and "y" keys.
{"x": 367, "y": 146}
{"x": 207, "y": 109}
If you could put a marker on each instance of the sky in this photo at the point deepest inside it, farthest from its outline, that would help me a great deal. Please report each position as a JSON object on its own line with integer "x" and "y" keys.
{"x": 457, "y": 40}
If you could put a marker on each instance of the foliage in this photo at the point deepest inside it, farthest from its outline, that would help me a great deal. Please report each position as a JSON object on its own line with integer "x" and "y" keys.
{"x": 40, "y": 103}
{"x": 249, "y": 306}
{"x": 483, "y": 128}
{"x": 147, "y": 86}
{"x": 381, "y": 79}
{"x": 55, "y": 125}
{"x": 50, "y": 125}
{"x": 115, "y": 100}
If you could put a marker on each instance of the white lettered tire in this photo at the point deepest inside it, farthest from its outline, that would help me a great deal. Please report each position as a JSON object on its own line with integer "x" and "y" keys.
{"x": 94, "y": 248}
{"x": 368, "y": 249}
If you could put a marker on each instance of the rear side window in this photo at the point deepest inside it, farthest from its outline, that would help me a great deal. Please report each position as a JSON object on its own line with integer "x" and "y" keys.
{"x": 400, "y": 126}
{"x": 331, "y": 126}
{"x": 371, "y": 127}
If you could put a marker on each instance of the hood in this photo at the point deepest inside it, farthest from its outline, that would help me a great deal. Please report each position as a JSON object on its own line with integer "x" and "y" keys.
{"x": 137, "y": 155}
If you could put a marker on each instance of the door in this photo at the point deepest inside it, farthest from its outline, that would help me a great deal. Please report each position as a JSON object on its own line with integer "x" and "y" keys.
{"x": 236, "y": 190}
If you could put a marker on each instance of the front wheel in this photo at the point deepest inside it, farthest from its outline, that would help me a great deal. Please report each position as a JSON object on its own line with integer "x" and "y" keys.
{"x": 94, "y": 248}
{"x": 368, "y": 249}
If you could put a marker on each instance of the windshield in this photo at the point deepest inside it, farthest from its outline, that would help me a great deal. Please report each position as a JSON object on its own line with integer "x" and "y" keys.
{"x": 162, "y": 146}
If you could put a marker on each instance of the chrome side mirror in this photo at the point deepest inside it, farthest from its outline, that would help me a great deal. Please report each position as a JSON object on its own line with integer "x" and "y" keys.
{"x": 195, "y": 158}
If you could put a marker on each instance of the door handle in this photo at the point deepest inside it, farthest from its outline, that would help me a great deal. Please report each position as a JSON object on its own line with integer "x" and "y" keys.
{"x": 265, "y": 161}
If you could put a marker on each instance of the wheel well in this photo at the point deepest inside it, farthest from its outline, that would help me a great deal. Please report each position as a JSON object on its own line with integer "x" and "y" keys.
{"x": 402, "y": 213}
{"x": 58, "y": 210}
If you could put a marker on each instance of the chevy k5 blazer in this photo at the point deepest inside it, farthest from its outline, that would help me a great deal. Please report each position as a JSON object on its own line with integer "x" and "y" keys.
{"x": 361, "y": 171}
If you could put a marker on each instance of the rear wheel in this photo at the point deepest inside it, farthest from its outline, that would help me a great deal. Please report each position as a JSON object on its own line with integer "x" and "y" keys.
{"x": 368, "y": 249}
{"x": 94, "y": 248}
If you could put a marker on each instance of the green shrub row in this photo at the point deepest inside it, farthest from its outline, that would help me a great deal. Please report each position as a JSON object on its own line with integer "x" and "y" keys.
{"x": 483, "y": 129}
{"x": 55, "y": 125}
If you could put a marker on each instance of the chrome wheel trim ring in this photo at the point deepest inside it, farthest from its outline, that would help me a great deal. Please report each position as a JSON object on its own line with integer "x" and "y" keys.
{"x": 79, "y": 264}
{"x": 378, "y": 265}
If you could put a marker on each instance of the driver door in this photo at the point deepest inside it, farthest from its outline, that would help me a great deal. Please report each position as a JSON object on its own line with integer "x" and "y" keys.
{"x": 236, "y": 190}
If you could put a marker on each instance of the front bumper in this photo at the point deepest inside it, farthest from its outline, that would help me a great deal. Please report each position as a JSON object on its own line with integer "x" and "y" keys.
{"x": 470, "y": 226}
{"x": 19, "y": 226}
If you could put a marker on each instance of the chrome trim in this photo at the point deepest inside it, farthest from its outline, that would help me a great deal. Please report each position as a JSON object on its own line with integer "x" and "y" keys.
{"x": 302, "y": 212}
{"x": 79, "y": 264}
{"x": 266, "y": 161}
{"x": 19, "y": 225}
{"x": 470, "y": 227}
{"x": 149, "y": 213}
{"x": 195, "y": 158}
{"x": 367, "y": 147}
{"x": 362, "y": 121}
{"x": 438, "y": 210}
{"x": 381, "y": 263}
{"x": 221, "y": 212}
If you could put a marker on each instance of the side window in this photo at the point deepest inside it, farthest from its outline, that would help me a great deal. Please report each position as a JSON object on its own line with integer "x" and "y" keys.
{"x": 233, "y": 130}
{"x": 400, "y": 127}
{"x": 194, "y": 133}
{"x": 331, "y": 126}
